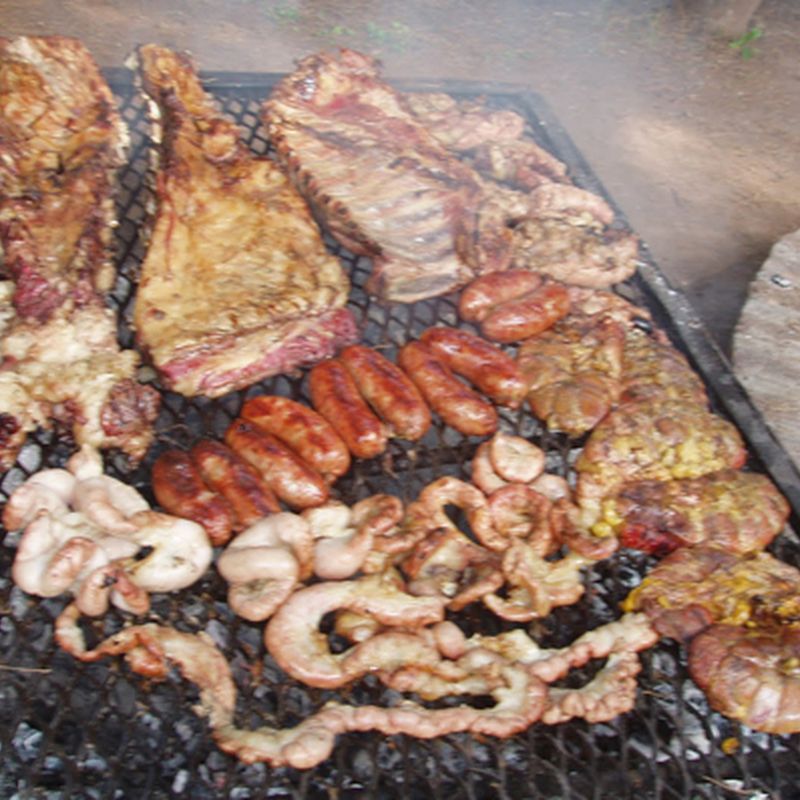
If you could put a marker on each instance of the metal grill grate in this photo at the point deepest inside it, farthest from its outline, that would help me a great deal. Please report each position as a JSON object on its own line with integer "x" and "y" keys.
{"x": 97, "y": 731}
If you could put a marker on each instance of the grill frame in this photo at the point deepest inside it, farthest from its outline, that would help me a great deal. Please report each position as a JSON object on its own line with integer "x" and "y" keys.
{"x": 79, "y": 730}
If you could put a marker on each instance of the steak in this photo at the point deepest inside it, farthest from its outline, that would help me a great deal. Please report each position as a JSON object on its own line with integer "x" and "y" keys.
{"x": 380, "y": 180}
{"x": 61, "y": 142}
{"x": 236, "y": 285}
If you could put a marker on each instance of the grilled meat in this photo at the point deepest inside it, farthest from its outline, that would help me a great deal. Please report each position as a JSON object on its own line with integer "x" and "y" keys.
{"x": 603, "y": 351}
{"x": 740, "y": 511}
{"x": 494, "y": 140}
{"x": 741, "y": 615}
{"x": 61, "y": 141}
{"x": 463, "y": 126}
{"x": 750, "y": 675}
{"x": 458, "y": 405}
{"x": 336, "y": 396}
{"x": 238, "y": 482}
{"x": 697, "y": 586}
{"x": 662, "y": 428}
{"x": 57, "y": 114}
{"x": 71, "y": 371}
{"x": 388, "y": 391}
{"x": 301, "y": 429}
{"x": 179, "y": 488}
{"x": 652, "y": 367}
{"x": 573, "y": 371}
{"x": 383, "y": 184}
{"x": 237, "y": 284}
{"x": 489, "y": 369}
{"x": 670, "y": 440}
{"x": 93, "y": 535}
{"x": 574, "y": 253}
{"x": 464, "y": 191}
{"x": 521, "y": 163}
{"x": 557, "y": 228}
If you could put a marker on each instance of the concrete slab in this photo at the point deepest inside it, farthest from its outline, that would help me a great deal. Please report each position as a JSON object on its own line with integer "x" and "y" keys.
{"x": 766, "y": 343}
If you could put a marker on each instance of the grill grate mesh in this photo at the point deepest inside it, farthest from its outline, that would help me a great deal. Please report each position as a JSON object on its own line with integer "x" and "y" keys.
{"x": 97, "y": 731}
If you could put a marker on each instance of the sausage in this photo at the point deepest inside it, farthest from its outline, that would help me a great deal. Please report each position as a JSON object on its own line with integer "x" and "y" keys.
{"x": 480, "y": 296}
{"x": 236, "y": 480}
{"x": 528, "y": 315}
{"x": 482, "y": 363}
{"x": 388, "y": 390}
{"x": 303, "y": 430}
{"x": 180, "y": 490}
{"x": 458, "y": 405}
{"x": 335, "y": 395}
{"x": 293, "y": 481}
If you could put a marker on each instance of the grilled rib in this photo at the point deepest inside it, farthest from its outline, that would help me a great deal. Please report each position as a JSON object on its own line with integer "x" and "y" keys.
{"x": 381, "y": 182}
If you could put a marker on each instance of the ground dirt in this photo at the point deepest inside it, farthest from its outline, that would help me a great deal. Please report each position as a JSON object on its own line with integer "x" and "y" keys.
{"x": 697, "y": 140}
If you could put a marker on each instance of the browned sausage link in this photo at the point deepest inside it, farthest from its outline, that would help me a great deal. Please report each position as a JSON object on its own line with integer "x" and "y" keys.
{"x": 180, "y": 490}
{"x": 482, "y": 363}
{"x": 293, "y": 481}
{"x": 457, "y": 405}
{"x": 527, "y": 316}
{"x": 305, "y": 431}
{"x": 480, "y": 296}
{"x": 237, "y": 481}
{"x": 390, "y": 392}
{"x": 335, "y": 395}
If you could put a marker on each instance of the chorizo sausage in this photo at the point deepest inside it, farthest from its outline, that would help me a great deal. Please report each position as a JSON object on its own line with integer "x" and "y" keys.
{"x": 388, "y": 390}
{"x": 482, "y": 363}
{"x": 293, "y": 481}
{"x": 528, "y": 315}
{"x": 303, "y": 430}
{"x": 458, "y": 405}
{"x": 180, "y": 490}
{"x": 334, "y": 394}
{"x": 484, "y": 293}
{"x": 236, "y": 480}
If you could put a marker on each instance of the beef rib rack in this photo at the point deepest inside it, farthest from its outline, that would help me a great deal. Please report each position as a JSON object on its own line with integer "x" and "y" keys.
{"x": 380, "y": 181}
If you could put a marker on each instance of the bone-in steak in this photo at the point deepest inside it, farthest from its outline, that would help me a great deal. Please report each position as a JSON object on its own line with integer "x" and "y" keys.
{"x": 237, "y": 284}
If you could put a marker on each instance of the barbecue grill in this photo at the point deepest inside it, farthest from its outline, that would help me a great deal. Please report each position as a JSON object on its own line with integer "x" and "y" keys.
{"x": 69, "y": 729}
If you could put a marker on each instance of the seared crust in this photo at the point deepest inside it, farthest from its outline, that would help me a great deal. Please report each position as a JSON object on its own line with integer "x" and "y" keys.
{"x": 179, "y": 488}
{"x": 303, "y": 430}
{"x": 237, "y": 284}
{"x": 750, "y": 675}
{"x": 287, "y": 475}
{"x": 61, "y": 141}
{"x": 487, "y": 367}
{"x": 361, "y": 158}
{"x": 335, "y": 395}
{"x": 739, "y": 511}
{"x": 457, "y": 404}
{"x": 238, "y": 482}
{"x": 388, "y": 390}
{"x": 670, "y": 439}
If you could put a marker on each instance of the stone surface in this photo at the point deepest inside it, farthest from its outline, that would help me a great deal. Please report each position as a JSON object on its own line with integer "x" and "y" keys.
{"x": 766, "y": 343}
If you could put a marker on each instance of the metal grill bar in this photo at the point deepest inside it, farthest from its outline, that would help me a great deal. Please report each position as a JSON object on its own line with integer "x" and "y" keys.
{"x": 96, "y": 731}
